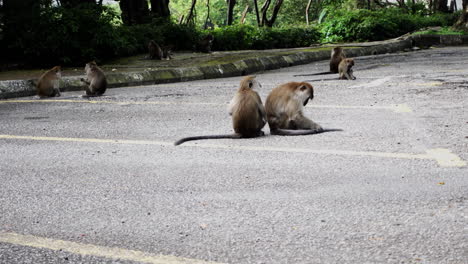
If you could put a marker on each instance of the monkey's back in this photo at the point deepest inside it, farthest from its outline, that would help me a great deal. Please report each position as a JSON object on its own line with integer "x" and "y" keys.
{"x": 246, "y": 118}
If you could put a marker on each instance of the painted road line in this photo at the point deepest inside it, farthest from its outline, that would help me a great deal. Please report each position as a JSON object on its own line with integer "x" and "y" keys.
{"x": 444, "y": 157}
{"x": 94, "y": 250}
{"x": 429, "y": 84}
{"x": 398, "y": 108}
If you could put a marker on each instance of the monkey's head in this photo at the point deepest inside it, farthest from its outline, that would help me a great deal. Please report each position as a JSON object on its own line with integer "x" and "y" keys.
{"x": 337, "y": 50}
{"x": 90, "y": 65}
{"x": 305, "y": 92}
{"x": 249, "y": 82}
{"x": 350, "y": 62}
{"x": 58, "y": 71}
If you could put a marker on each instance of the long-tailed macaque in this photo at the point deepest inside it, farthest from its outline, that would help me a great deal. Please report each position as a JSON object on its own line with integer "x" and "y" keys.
{"x": 247, "y": 111}
{"x": 155, "y": 51}
{"x": 205, "y": 44}
{"x": 48, "y": 83}
{"x": 337, "y": 55}
{"x": 284, "y": 109}
{"x": 95, "y": 79}
{"x": 345, "y": 69}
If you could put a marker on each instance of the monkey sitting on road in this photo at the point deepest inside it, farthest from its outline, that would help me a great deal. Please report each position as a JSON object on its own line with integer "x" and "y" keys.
{"x": 337, "y": 56}
{"x": 284, "y": 109}
{"x": 345, "y": 69}
{"x": 48, "y": 84}
{"x": 338, "y": 64}
{"x": 95, "y": 79}
{"x": 247, "y": 111}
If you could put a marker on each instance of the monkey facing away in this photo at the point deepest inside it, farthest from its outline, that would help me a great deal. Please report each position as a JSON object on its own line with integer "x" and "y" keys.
{"x": 337, "y": 55}
{"x": 155, "y": 51}
{"x": 48, "y": 83}
{"x": 285, "y": 110}
{"x": 247, "y": 111}
{"x": 345, "y": 69}
{"x": 95, "y": 79}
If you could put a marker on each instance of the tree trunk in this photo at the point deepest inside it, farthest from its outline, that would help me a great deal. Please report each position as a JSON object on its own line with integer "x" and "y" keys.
{"x": 160, "y": 8}
{"x": 244, "y": 14}
{"x": 230, "y": 11}
{"x": 191, "y": 12}
{"x": 134, "y": 11}
{"x": 442, "y": 6}
{"x": 256, "y": 12}
{"x": 270, "y": 21}
{"x": 462, "y": 22}
{"x": 307, "y": 11}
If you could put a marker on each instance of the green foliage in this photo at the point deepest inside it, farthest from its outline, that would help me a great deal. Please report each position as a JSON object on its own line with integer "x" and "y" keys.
{"x": 239, "y": 37}
{"x": 367, "y": 25}
{"x": 74, "y": 36}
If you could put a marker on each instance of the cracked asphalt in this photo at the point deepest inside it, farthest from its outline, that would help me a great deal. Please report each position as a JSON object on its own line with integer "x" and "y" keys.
{"x": 392, "y": 187}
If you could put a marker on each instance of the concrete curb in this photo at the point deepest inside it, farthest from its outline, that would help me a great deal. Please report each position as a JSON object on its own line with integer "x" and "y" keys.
{"x": 18, "y": 88}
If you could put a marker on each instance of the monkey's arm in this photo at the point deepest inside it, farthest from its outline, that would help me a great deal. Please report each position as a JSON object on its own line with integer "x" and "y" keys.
{"x": 85, "y": 81}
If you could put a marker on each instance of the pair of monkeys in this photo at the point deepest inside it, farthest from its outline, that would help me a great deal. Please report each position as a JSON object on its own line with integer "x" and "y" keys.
{"x": 341, "y": 65}
{"x": 284, "y": 112}
{"x": 96, "y": 81}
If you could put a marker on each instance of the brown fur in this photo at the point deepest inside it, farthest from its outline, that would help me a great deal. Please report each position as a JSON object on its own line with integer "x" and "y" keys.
{"x": 95, "y": 79}
{"x": 247, "y": 111}
{"x": 284, "y": 109}
{"x": 345, "y": 69}
{"x": 337, "y": 56}
{"x": 155, "y": 51}
{"x": 47, "y": 85}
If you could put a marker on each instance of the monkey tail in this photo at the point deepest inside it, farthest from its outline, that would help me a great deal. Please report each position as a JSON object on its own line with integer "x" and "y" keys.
{"x": 318, "y": 73}
{"x": 182, "y": 140}
{"x": 301, "y": 132}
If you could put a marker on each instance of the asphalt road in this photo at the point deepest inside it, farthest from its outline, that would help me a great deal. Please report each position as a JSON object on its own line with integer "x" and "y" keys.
{"x": 99, "y": 181}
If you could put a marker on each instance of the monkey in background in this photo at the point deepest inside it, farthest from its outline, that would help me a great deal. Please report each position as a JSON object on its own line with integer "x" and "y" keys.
{"x": 205, "y": 44}
{"x": 95, "y": 79}
{"x": 48, "y": 83}
{"x": 247, "y": 111}
{"x": 345, "y": 69}
{"x": 155, "y": 51}
{"x": 337, "y": 55}
{"x": 285, "y": 110}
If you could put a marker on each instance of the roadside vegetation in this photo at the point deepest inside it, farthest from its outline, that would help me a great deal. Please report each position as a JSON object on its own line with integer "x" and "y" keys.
{"x": 71, "y": 32}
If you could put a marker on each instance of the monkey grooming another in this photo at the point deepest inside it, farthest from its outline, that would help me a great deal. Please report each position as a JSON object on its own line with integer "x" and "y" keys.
{"x": 48, "y": 83}
{"x": 95, "y": 79}
{"x": 285, "y": 110}
{"x": 247, "y": 111}
{"x": 345, "y": 69}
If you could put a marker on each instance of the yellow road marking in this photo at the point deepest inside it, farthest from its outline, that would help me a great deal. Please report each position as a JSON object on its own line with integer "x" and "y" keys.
{"x": 398, "y": 108}
{"x": 429, "y": 84}
{"x": 94, "y": 250}
{"x": 443, "y": 157}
